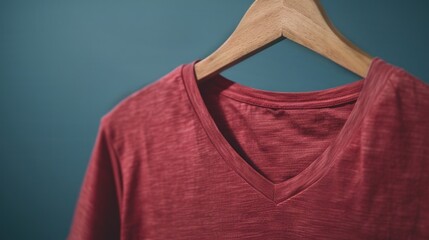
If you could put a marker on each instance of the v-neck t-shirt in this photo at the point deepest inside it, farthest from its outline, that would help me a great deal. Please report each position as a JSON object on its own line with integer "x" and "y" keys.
{"x": 183, "y": 158}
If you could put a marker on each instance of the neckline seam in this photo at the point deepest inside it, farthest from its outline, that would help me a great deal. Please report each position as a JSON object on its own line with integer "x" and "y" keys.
{"x": 261, "y": 184}
{"x": 344, "y": 146}
{"x": 267, "y": 192}
{"x": 313, "y": 104}
{"x": 328, "y": 96}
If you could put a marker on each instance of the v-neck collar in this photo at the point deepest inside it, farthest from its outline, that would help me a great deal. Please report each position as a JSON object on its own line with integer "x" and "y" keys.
{"x": 364, "y": 92}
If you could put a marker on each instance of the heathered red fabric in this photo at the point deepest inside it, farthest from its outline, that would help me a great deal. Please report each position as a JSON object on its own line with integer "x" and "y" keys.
{"x": 184, "y": 159}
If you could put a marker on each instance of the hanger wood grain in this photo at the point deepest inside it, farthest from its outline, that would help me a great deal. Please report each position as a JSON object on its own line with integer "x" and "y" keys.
{"x": 269, "y": 21}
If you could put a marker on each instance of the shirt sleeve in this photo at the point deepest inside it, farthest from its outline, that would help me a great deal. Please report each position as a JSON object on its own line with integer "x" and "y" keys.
{"x": 97, "y": 211}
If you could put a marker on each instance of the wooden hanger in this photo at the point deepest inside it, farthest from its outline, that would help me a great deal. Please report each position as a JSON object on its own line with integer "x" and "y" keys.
{"x": 268, "y": 21}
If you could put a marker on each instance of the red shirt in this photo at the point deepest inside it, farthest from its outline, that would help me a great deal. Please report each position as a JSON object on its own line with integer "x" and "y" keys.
{"x": 214, "y": 159}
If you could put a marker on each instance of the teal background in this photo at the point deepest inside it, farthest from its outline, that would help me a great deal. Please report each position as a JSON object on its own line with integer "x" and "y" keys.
{"x": 63, "y": 64}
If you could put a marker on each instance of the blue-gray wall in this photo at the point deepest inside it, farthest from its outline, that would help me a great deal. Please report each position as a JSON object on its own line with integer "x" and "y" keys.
{"x": 63, "y": 64}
